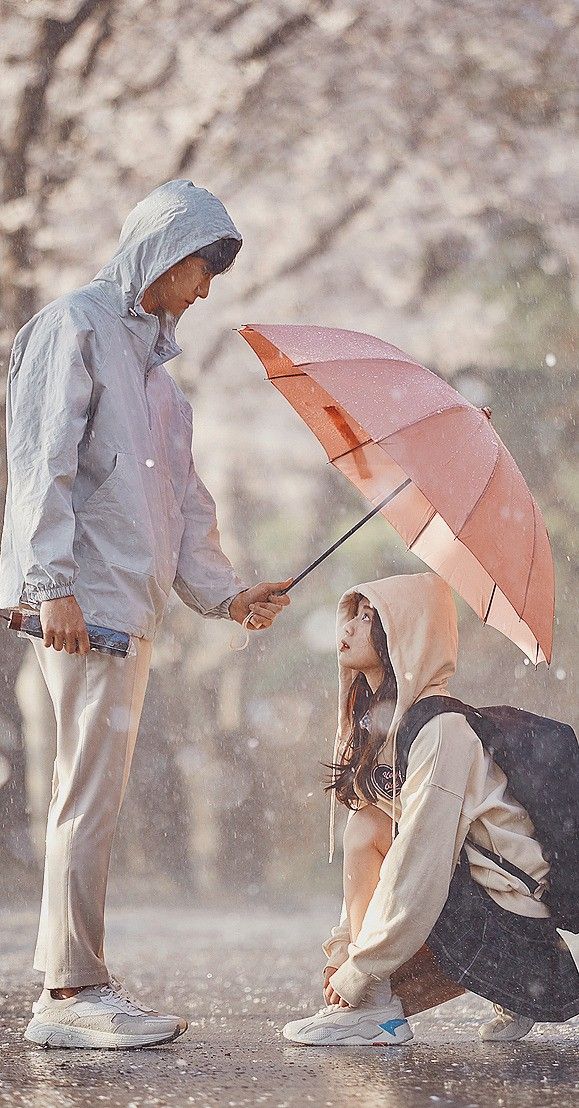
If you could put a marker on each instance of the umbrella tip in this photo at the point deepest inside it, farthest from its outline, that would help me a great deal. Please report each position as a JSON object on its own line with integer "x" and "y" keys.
{"x": 487, "y": 412}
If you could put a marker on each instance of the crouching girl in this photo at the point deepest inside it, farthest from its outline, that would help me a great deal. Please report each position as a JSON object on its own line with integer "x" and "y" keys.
{"x": 426, "y": 914}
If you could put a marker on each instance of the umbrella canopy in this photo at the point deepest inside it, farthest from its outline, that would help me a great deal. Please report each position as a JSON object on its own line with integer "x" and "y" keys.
{"x": 456, "y": 496}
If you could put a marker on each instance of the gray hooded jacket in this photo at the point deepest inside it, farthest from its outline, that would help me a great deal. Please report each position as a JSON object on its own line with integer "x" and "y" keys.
{"x": 103, "y": 500}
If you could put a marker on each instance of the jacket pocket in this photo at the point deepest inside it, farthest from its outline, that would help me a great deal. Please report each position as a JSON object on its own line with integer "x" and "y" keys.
{"x": 103, "y": 491}
{"x": 127, "y": 521}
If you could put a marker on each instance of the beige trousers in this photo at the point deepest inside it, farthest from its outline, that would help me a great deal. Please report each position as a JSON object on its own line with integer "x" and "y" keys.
{"x": 97, "y": 702}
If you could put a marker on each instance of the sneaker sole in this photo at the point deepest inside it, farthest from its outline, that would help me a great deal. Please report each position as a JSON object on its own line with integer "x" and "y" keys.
{"x": 68, "y": 1038}
{"x": 356, "y": 1040}
{"x": 504, "y": 1037}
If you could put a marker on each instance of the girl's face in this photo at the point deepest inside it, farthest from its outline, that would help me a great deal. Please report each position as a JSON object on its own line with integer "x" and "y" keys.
{"x": 356, "y": 650}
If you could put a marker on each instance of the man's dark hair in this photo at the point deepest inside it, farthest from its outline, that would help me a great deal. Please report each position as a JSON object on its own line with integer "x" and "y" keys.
{"x": 219, "y": 255}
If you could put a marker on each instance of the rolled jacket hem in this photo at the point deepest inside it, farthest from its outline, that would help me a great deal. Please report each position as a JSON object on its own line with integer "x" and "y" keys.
{"x": 351, "y": 983}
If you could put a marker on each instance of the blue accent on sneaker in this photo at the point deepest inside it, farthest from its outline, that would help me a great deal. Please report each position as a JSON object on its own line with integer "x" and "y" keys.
{"x": 391, "y": 1026}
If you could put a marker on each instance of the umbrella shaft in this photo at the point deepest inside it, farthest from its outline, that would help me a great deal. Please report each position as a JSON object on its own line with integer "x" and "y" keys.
{"x": 348, "y": 534}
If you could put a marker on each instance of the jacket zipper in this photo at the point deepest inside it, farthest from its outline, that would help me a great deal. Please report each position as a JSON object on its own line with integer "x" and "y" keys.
{"x": 147, "y": 400}
{"x": 134, "y": 314}
{"x": 148, "y": 370}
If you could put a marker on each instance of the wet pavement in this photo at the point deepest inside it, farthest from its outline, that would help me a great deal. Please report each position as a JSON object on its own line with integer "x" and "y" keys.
{"x": 238, "y": 977}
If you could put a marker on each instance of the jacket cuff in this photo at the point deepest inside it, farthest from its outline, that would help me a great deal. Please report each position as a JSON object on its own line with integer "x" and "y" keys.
{"x": 335, "y": 963}
{"x": 350, "y": 983}
{"x": 200, "y": 602}
{"x": 37, "y": 594}
{"x": 222, "y": 610}
{"x": 336, "y": 952}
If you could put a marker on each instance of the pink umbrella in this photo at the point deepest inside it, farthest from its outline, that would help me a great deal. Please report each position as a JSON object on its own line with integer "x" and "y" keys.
{"x": 430, "y": 461}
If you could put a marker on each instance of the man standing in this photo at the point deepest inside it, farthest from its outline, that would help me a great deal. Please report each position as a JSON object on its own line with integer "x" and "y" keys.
{"x": 104, "y": 515}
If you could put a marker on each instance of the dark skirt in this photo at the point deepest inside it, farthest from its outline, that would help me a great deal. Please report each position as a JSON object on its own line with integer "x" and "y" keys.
{"x": 516, "y": 961}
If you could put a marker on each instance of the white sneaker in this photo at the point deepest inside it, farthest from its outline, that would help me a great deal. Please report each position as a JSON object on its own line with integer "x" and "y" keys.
{"x": 363, "y": 1026}
{"x": 100, "y": 1017}
{"x": 506, "y": 1027}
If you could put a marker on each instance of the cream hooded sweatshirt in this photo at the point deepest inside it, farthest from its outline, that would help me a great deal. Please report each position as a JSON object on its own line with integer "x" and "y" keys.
{"x": 452, "y": 788}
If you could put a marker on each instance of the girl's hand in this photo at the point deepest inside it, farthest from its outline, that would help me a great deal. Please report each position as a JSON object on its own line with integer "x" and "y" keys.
{"x": 330, "y": 995}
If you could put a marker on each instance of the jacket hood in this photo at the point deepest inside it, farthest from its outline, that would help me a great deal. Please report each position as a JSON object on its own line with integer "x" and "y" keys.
{"x": 418, "y": 615}
{"x": 173, "y": 221}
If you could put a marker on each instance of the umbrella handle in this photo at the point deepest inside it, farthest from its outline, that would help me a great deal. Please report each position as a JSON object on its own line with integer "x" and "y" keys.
{"x": 348, "y": 534}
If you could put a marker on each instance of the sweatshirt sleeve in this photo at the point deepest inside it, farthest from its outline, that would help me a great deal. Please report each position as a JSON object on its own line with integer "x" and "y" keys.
{"x": 205, "y": 579}
{"x": 49, "y": 395}
{"x": 336, "y": 946}
{"x": 416, "y": 873}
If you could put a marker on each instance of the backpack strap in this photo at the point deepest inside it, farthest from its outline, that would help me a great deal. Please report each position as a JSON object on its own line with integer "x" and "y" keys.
{"x": 536, "y": 888}
{"x": 417, "y": 716}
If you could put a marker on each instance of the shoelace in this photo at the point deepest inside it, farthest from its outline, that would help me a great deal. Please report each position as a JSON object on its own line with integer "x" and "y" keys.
{"x": 118, "y": 991}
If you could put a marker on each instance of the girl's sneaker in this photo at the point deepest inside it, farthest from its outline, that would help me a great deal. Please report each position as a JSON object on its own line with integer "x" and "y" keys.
{"x": 100, "y": 1017}
{"x": 363, "y": 1026}
{"x": 506, "y": 1027}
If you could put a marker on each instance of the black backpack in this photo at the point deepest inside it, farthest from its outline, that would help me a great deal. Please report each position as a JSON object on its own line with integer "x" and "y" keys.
{"x": 540, "y": 758}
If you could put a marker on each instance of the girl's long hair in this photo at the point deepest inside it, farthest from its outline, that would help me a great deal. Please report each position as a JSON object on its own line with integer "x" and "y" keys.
{"x": 367, "y": 735}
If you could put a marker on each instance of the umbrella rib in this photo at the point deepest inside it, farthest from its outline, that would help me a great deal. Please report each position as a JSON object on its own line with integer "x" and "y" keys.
{"x": 284, "y": 376}
{"x": 460, "y": 539}
{"x": 474, "y": 506}
{"x": 358, "y": 446}
{"x": 531, "y": 560}
{"x": 369, "y": 358}
{"x": 488, "y": 611}
{"x": 423, "y": 529}
{"x": 532, "y": 551}
{"x": 422, "y": 419}
{"x": 334, "y": 361}
{"x": 531, "y": 566}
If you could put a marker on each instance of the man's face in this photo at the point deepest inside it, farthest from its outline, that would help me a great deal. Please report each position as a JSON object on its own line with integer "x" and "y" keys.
{"x": 178, "y": 288}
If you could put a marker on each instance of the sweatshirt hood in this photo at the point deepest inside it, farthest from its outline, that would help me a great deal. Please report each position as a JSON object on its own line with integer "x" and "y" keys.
{"x": 418, "y": 615}
{"x": 173, "y": 221}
